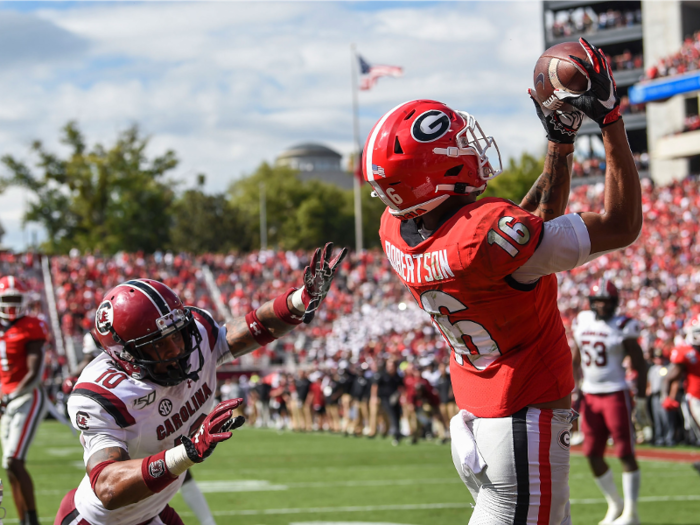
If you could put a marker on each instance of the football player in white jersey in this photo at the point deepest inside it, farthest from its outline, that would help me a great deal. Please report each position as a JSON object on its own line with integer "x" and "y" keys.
{"x": 145, "y": 407}
{"x": 602, "y": 341}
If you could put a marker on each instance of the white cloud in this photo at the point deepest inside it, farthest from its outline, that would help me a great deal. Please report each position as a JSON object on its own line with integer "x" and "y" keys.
{"x": 229, "y": 85}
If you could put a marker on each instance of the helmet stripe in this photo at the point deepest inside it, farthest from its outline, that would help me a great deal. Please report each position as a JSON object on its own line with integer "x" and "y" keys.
{"x": 150, "y": 292}
{"x": 368, "y": 155}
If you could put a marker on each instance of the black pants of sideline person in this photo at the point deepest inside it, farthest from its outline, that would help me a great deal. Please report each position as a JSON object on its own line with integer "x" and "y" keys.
{"x": 393, "y": 412}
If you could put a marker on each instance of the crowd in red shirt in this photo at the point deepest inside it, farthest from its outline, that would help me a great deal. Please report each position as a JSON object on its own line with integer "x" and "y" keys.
{"x": 686, "y": 59}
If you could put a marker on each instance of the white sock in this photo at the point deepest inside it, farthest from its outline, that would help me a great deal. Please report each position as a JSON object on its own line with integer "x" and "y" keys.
{"x": 195, "y": 501}
{"x": 606, "y": 484}
{"x": 630, "y": 488}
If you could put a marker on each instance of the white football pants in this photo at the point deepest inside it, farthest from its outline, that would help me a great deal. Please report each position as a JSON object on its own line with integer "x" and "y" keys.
{"x": 525, "y": 479}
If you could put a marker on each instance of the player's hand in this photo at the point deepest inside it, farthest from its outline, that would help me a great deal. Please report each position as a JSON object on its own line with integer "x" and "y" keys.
{"x": 670, "y": 404}
{"x": 600, "y": 103}
{"x": 560, "y": 126}
{"x": 215, "y": 429}
{"x": 318, "y": 277}
{"x": 69, "y": 384}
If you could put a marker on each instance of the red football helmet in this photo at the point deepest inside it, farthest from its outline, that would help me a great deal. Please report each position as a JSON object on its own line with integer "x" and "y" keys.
{"x": 421, "y": 152}
{"x": 13, "y": 298}
{"x": 692, "y": 330}
{"x": 604, "y": 289}
{"x": 136, "y": 314}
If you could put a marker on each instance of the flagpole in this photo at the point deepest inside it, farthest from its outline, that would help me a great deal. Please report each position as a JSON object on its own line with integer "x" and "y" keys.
{"x": 356, "y": 167}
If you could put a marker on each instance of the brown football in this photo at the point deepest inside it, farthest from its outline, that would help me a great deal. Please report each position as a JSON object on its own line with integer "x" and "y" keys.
{"x": 556, "y": 70}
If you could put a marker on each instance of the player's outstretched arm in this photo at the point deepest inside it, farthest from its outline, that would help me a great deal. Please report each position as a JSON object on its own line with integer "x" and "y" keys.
{"x": 549, "y": 196}
{"x": 281, "y": 315}
{"x": 621, "y": 222}
{"x": 118, "y": 480}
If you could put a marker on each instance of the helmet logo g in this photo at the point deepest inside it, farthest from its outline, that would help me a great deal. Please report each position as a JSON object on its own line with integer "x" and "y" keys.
{"x": 104, "y": 317}
{"x": 430, "y": 126}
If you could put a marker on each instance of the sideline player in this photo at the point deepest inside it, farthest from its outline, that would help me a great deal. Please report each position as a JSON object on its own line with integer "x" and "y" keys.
{"x": 601, "y": 342}
{"x": 484, "y": 271}
{"x": 686, "y": 362}
{"x": 145, "y": 407}
{"x": 22, "y": 339}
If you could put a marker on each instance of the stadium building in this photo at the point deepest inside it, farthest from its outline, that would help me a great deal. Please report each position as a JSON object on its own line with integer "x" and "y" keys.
{"x": 315, "y": 161}
{"x": 637, "y": 36}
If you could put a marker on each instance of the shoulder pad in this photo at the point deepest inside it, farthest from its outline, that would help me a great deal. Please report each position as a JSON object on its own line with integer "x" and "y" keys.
{"x": 112, "y": 404}
{"x": 209, "y": 324}
{"x": 621, "y": 321}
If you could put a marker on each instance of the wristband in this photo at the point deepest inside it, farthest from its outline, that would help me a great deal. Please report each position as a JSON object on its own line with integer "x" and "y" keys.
{"x": 259, "y": 331}
{"x": 155, "y": 473}
{"x": 177, "y": 460}
{"x": 97, "y": 470}
{"x": 282, "y": 309}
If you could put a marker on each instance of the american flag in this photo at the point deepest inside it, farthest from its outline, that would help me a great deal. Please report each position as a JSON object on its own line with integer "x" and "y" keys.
{"x": 370, "y": 74}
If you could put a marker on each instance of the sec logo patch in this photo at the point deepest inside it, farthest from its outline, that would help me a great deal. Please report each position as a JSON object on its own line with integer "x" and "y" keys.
{"x": 165, "y": 407}
{"x": 564, "y": 439}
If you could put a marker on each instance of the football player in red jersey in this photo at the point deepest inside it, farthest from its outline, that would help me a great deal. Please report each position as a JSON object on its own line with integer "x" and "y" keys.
{"x": 686, "y": 362}
{"x": 22, "y": 339}
{"x": 602, "y": 340}
{"x": 145, "y": 406}
{"x": 484, "y": 270}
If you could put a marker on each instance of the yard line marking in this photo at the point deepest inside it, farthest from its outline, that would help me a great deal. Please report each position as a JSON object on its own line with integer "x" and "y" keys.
{"x": 424, "y": 506}
{"x": 369, "y": 508}
{"x": 262, "y": 485}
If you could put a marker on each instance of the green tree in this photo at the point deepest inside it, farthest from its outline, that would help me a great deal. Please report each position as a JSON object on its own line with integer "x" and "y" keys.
{"x": 204, "y": 223}
{"x": 517, "y": 179}
{"x": 106, "y": 199}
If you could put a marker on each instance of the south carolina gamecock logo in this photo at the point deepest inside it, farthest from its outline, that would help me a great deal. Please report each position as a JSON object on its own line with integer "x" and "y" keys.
{"x": 81, "y": 420}
{"x": 104, "y": 317}
{"x": 157, "y": 468}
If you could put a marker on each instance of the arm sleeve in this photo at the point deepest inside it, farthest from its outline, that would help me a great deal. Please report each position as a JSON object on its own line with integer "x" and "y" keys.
{"x": 565, "y": 245}
{"x": 98, "y": 429}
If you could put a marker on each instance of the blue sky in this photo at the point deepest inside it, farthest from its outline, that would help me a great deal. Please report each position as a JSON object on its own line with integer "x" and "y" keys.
{"x": 229, "y": 85}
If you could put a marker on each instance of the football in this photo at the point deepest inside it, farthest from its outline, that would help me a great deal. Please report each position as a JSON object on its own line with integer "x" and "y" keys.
{"x": 555, "y": 70}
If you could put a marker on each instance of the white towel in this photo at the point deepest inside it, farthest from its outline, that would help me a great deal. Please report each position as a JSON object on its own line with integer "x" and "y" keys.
{"x": 464, "y": 442}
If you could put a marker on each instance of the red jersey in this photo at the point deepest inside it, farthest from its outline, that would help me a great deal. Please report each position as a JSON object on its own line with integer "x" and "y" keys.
{"x": 508, "y": 340}
{"x": 689, "y": 357}
{"x": 13, "y": 357}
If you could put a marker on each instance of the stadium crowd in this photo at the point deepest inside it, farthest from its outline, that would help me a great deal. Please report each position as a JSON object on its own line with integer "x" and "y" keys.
{"x": 686, "y": 59}
{"x": 583, "y": 21}
{"x": 594, "y": 166}
{"x": 322, "y": 377}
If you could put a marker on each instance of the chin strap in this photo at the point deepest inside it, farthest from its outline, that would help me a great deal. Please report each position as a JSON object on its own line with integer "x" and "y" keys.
{"x": 460, "y": 188}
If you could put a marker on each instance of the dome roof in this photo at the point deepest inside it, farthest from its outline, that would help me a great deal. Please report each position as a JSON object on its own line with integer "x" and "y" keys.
{"x": 308, "y": 149}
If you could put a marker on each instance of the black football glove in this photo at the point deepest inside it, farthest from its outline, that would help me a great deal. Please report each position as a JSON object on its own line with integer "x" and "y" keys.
{"x": 600, "y": 103}
{"x": 560, "y": 125}
{"x": 318, "y": 277}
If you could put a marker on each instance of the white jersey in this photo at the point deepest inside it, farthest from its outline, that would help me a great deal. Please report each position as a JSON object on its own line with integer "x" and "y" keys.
{"x": 602, "y": 351}
{"x": 111, "y": 409}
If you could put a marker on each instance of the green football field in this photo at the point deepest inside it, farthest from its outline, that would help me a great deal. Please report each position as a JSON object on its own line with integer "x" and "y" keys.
{"x": 265, "y": 477}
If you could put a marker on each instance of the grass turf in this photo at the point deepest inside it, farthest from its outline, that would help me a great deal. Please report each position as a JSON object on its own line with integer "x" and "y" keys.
{"x": 265, "y": 477}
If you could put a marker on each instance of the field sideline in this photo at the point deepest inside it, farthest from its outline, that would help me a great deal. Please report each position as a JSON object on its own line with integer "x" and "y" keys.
{"x": 265, "y": 477}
